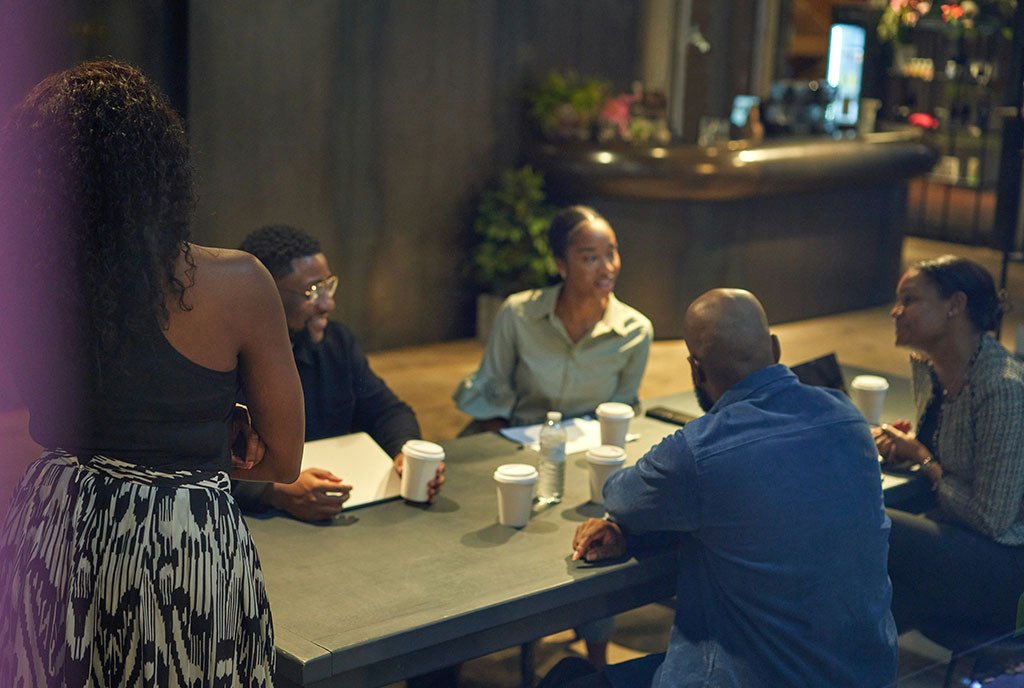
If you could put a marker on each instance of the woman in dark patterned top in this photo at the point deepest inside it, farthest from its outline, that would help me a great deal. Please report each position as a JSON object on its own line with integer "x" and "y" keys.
{"x": 960, "y": 566}
{"x": 124, "y": 559}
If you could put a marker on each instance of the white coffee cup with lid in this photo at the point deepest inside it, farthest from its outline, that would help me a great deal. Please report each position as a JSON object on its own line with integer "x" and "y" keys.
{"x": 614, "y": 418}
{"x": 868, "y": 395}
{"x": 515, "y": 482}
{"x": 421, "y": 462}
{"x": 601, "y": 463}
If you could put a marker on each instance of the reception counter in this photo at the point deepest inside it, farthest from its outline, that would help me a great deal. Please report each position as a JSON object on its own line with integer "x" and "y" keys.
{"x": 812, "y": 226}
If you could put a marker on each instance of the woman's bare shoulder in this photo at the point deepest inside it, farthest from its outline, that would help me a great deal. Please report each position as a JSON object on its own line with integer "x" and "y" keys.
{"x": 228, "y": 260}
{"x": 233, "y": 276}
{"x": 227, "y": 265}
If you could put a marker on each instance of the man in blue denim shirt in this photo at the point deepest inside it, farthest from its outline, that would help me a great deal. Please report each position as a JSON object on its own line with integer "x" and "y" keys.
{"x": 776, "y": 495}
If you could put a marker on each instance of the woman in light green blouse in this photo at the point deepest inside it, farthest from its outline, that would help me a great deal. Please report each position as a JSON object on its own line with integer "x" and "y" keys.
{"x": 568, "y": 347}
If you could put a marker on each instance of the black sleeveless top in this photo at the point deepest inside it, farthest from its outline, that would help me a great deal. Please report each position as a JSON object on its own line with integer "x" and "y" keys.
{"x": 158, "y": 409}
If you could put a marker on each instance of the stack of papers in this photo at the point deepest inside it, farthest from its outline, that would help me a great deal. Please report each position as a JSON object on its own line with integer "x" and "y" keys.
{"x": 581, "y": 434}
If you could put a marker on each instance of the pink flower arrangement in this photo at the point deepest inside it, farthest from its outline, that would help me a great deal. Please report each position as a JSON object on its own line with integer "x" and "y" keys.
{"x": 952, "y": 12}
{"x": 616, "y": 111}
{"x": 910, "y": 11}
{"x": 961, "y": 15}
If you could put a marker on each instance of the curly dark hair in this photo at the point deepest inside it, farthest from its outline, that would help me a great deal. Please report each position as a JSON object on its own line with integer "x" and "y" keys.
{"x": 276, "y": 246}
{"x": 96, "y": 162}
{"x": 950, "y": 274}
{"x": 564, "y": 222}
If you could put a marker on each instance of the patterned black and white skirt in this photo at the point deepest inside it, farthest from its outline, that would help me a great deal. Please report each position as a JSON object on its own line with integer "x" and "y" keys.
{"x": 116, "y": 575}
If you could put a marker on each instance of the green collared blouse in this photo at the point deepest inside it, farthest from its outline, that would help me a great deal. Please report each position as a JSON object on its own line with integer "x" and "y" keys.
{"x": 531, "y": 366}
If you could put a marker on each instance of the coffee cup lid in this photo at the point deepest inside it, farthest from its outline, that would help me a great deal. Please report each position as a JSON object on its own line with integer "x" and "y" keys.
{"x": 872, "y": 382}
{"x": 606, "y": 454}
{"x": 615, "y": 409}
{"x": 422, "y": 449}
{"x": 522, "y": 473}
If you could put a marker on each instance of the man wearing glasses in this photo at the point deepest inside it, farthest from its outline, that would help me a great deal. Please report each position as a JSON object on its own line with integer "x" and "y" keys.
{"x": 342, "y": 394}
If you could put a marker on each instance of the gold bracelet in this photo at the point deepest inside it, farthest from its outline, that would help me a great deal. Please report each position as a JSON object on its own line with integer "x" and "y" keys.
{"x": 928, "y": 460}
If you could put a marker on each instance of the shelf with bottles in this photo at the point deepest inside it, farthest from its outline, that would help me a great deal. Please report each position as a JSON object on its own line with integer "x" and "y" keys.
{"x": 945, "y": 92}
{"x": 950, "y": 77}
{"x": 941, "y": 68}
{"x": 968, "y": 124}
{"x": 958, "y": 175}
{"x": 970, "y": 162}
{"x": 975, "y": 73}
{"x": 961, "y": 102}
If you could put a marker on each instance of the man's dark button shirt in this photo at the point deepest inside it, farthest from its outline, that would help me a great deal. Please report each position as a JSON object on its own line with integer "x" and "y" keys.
{"x": 342, "y": 395}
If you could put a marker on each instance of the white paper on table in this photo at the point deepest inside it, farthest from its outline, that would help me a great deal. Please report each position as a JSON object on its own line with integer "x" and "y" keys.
{"x": 889, "y": 480}
{"x": 359, "y": 462}
{"x": 902, "y": 475}
{"x": 581, "y": 434}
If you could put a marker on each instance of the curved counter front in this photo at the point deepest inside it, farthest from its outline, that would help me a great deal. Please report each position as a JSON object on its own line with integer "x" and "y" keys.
{"x": 811, "y": 226}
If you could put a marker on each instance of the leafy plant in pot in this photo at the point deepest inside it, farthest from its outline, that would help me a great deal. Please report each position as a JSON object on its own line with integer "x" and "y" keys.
{"x": 565, "y": 106}
{"x": 511, "y": 252}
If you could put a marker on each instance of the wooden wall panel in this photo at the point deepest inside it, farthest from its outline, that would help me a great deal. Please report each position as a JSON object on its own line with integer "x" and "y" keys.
{"x": 715, "y": 77}
{"x": 374, "y": 124}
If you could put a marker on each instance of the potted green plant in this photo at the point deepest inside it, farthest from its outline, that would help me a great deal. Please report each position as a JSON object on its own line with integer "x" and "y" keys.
{"x": 511, "y": 252}
{"x": 565, "y": 106}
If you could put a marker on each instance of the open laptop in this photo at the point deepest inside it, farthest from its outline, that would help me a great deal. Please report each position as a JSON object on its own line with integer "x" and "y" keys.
{"x": 823, "y": 371}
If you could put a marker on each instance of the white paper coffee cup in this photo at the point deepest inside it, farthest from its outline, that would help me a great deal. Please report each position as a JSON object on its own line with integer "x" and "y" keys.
{"x": 421, "y": 460}
{"x": 601, "y": 463}
{"x": 868, "y": 395}
{"x": 614, "y": 418}
{"x": 515, "y": 482}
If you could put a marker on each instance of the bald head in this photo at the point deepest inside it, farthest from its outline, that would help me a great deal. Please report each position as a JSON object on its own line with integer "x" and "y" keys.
{"x": 726, "y": 330}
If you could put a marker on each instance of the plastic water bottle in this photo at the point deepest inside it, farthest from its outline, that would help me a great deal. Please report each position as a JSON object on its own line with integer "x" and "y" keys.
{"x": 552, "y": 460}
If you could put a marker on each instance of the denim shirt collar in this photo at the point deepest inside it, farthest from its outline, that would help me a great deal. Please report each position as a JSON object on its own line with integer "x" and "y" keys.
{"x": 752, "y": 383}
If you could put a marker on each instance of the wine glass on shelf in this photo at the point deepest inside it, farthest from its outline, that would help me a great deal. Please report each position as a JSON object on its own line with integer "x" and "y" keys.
{"x": 981, "y": 71}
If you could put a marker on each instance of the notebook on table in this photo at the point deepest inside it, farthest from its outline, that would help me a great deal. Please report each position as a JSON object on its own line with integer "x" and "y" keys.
{"x": 359, "y": 462}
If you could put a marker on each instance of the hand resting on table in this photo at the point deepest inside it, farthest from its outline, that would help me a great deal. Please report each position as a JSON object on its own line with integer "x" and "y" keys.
{"x": 316, "y": 495}
{"x": 596, "y": 539}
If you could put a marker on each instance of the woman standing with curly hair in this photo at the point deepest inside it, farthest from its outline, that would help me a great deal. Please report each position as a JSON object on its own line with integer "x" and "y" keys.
{"x": 124, "y": 559}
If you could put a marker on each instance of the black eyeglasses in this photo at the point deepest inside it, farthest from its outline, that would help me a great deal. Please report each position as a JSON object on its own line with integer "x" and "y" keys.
{"x": 323, "y": 288}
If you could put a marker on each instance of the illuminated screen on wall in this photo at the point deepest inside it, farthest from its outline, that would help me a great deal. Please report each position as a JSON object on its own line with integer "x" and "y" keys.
{"x": 845, "y": 69}
{"x": 741, "y": 106}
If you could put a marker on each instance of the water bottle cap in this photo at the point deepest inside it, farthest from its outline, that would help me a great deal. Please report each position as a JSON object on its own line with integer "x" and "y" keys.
{"x": 555, "y": 416}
